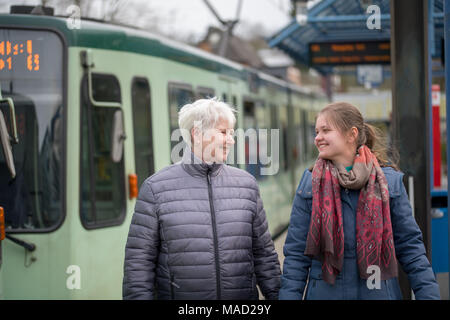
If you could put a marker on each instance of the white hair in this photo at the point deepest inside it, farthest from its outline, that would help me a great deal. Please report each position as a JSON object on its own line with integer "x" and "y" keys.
{"x": 206, "y": 112}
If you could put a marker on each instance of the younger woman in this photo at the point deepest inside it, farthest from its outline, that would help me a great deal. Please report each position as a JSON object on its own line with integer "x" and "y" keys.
{"x": 351, "y": 220}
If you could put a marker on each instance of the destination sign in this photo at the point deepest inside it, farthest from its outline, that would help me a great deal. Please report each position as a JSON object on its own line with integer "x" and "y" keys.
{"x": 350, "y": 53}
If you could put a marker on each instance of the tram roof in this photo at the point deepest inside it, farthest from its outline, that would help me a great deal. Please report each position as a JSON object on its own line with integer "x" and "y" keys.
{"x": 104, "y": 35}
{"x": 345, "y": 20}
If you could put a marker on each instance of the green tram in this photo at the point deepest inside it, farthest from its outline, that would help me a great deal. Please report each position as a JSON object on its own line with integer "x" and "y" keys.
{"x": 83, "y": 112}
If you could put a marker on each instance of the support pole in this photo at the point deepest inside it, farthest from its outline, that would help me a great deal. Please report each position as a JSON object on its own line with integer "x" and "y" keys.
{"x": 447, "y": 102}
{"x": 410, "y": 107}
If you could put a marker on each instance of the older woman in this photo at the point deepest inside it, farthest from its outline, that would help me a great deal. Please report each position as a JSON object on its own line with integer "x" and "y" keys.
{"x": 199, "y": 230}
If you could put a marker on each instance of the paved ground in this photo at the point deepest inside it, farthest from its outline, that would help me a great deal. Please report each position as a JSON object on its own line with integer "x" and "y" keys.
{"x": 279, "y": 243}
{"x": 442, "y": 279}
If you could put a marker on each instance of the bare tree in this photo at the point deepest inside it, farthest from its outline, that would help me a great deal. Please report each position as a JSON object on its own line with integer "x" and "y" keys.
{"x": 61, "y": 7}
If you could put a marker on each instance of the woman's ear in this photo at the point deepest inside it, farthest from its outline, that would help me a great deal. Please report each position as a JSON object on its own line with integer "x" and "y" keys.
{"x": 195, "y": 135}
{"x": 353, "y": 135}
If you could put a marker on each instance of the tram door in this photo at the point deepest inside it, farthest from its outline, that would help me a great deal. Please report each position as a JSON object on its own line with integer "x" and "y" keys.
{"x": 251, "y": 143}
{"x": 256, "y": 122}
{"x": 33, "y": 197}
{"x": 228, "y": 93}
{"x": 1, "y": 274}
{"x": 142, "y": 129}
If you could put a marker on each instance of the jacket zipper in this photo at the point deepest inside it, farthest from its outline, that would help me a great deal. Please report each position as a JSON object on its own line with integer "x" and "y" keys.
{"x": 173, "y": 284}
{"x": 214, "y": 227}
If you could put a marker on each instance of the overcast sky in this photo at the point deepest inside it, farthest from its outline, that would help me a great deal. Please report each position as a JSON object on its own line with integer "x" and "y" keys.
{"x": 192, "y": 18}
{"x": 193, "y": 15}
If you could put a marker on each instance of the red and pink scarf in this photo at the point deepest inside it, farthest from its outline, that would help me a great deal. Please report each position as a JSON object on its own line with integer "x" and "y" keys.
{"x": 374, "y": 239}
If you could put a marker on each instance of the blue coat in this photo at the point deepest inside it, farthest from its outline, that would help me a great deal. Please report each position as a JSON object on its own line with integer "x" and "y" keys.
{"x": 408, "y": 242}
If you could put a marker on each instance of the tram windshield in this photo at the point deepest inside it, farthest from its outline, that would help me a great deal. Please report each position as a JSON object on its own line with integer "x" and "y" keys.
{"x": 31, "y": 67}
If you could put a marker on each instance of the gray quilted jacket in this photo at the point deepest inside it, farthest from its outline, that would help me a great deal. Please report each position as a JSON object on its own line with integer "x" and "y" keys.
{"x": 200, "y": 232}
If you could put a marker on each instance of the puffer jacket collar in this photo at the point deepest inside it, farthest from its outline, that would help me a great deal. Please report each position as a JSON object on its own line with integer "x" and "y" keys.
{"x": 196, "y": 167}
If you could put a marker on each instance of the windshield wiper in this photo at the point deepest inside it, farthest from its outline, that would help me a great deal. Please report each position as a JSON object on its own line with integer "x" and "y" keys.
{"x": 28, "y": 246}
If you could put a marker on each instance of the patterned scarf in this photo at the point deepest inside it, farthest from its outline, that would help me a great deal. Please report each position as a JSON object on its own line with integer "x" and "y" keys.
{"x": 374, "y": 239}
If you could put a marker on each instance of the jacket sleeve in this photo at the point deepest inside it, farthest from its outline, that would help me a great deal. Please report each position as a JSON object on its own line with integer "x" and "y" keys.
{"x": 267, "y": 266}
{"x": 141, "y": 251}
{"x": 409, "y": 247}
{"x": 296, "y": 265}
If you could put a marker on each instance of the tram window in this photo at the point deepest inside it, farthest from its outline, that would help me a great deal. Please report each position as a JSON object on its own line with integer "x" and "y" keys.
{"x": 249, "y": 115}
{"x": 282, "y": 111}
{"x": 233, "y": 158}
{"x": 235, "y": 106}
{"x": 237, "y": 114}
{"x": 262, "y": 116}
{"x": 102, "y": 180}
{"x": 142, "y": 119}
{"x": 298, "y": 134}
{"x": 34, "y": 200}
{"x": 251, "y": 139}
{"x": 306, "y": 137}
{"x": 275, "y": 124}
{"x": 179, "y": 95}
{"x": 264, "y": 140}
{"x": 279, "y": 121}
{"x": 105, "y": 88}
{"x": 311, "y": 128}
{"x": 205, "y": 93}
{"x": 274, "y": 118}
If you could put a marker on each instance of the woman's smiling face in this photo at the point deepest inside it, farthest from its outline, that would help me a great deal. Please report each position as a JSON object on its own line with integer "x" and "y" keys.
{"x": 215, "y": 143}
{"x": 332, "y": 144}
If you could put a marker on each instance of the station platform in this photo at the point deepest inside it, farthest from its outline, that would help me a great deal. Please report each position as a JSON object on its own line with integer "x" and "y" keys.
{"x": 279, "y": 244}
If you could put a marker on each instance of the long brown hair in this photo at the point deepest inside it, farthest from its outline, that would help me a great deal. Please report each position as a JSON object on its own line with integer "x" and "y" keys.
{"x": 343, "y": 116}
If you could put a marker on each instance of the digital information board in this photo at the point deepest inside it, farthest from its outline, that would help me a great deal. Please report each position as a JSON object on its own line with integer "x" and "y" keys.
{"x": 8, "y": 51}
{"x": 350, "y": 53}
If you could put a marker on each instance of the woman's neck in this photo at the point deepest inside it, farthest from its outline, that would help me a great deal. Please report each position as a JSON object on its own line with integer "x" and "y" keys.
{"x": 345, "y": 161}
{"x": 199, "y": 154}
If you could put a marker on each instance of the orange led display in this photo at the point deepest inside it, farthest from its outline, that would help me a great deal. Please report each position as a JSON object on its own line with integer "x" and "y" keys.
{"x": 12, "y": 54}
{"x": 350, "y": 53}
